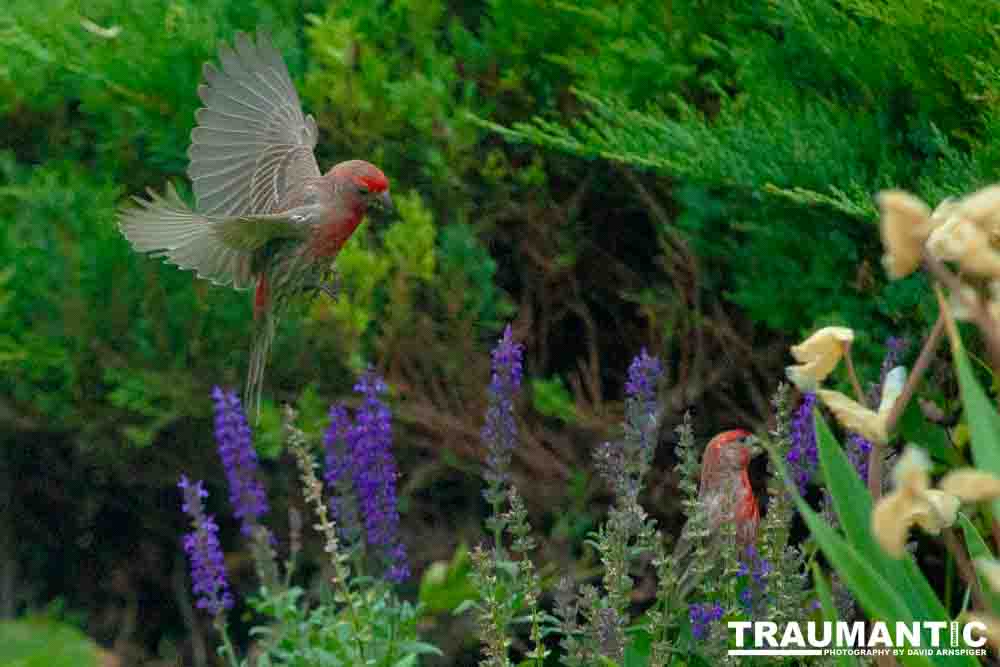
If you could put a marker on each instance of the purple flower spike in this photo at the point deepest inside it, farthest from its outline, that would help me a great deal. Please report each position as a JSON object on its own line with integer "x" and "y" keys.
{"x": 208, "y": 569}
{"x": 239, "y": 458}
{"x": 643, "y": 375}
{"x": 374, "y": 469}
{"x": 338, "y": 460}
{"x": 803, "y": 456}
{"x": 500, "y": 430}
{"x": 703, "y": 616}
{"x": 858, "y": 451}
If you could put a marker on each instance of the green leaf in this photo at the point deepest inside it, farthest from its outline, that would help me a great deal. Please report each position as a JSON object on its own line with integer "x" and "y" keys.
{"x": 853, "y": 504}
{"x": 419, "y": 648}
{"x": 913, "y": 427}
{"x": 887, "y": 589}
{"x": 980, "y": 415}
{"x": 637, "y": 650}
{"x": 829, "y": 609}
{"x": 446, "y": 586}
{"x": 850, "y": 496}
{"x": 41, "y": 642}
{"x": 551, "y": 398}
{"x": 978, "y": 549}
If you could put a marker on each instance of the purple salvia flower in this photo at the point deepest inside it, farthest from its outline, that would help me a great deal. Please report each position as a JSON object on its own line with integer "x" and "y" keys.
{"x": 239, "y": 459}
{"x": 702, "y": 616}
{"x": 802, "y": 455}
{"x": 642, "y": 409}
{"x": 338, "y": 474}
{"x": 624, "y": 464}
{"x": 858, "y": 451}
{"x": 374, "y": 471}
{"x": 643, "y": 376}
{"x": 208, "y": 568}
{"x": 757, "y": 570}
{"x": 500, "y": 431}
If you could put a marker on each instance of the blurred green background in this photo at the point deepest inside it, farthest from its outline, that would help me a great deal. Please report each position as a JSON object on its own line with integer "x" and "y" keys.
{"x": 691, "y": 176}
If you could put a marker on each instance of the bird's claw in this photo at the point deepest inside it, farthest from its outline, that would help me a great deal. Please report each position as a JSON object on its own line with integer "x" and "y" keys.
{"x": 330, "y": 288}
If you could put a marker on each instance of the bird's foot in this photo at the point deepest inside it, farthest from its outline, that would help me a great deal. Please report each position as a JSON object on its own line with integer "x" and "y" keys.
{"x": 331, "y": 288}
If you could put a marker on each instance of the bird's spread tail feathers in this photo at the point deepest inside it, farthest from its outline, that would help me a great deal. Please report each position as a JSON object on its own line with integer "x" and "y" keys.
{"x": 264, "y": 329}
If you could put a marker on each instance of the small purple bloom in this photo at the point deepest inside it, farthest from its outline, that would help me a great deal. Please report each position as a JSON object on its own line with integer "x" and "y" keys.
{"x": 643, "y": 375}
{"x": 374, "y": 470}
{"x": 624, "y": 463}
{"x": 803, "y": 456}
{"x": 500, "y": 431}
{"x": 239, "y": 459}
{"x": 858, "y": 450}
{"x": 337, "y": 475}
{"x": 208, "y": 568}
{"x": 702, "y": 616}
{"x": 757, "y": 570}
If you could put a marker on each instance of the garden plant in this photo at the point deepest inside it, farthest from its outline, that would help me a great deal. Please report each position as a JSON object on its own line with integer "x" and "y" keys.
{"x": 686, "y": 318}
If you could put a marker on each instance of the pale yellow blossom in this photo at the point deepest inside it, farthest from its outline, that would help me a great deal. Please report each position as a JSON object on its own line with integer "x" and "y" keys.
{"x": 906, "y": 223}
{"x": 962, "y": 305}
{"x": 818, "y": 355}
{"x": 936, "y": 511}
{"x": 960, "y": 240}
{"x": 871, "y": 424}
{"x": 912, "y": 503}
{"x": 983, "y": 208}
{"x": 971, "y": 485}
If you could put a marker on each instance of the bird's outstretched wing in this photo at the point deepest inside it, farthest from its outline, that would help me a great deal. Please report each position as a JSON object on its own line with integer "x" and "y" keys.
{"x": 219, "y": 248}
{"x": 253, "y": 145}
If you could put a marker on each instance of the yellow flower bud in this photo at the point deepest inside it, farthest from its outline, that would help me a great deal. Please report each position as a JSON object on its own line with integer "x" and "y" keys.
{"x": 818, "y": 355}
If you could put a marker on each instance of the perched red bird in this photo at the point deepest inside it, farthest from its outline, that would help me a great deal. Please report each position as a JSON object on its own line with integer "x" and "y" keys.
{"x": 264, "y": 216}
{"x": 725, "y": 492}
{"x": 724, "y": 495}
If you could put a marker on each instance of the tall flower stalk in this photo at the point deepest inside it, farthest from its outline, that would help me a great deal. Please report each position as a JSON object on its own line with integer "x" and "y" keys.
{"x": 338, "y": 474}
{"x": 326, "y": 526}
{"x": 507, "y": 588}
{"x": 499, "y": 433}
{"x": 802, "y": 456}
{"x": 628, "y": 534}
{"x": 208, "y": 566}
{"x": 239, "y": 459}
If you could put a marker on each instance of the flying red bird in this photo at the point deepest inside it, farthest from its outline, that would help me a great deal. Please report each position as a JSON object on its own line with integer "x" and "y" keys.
{"x": 264, "y": 215}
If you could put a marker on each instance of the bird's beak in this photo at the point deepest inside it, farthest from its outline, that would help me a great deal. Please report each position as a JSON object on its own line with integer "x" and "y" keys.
{"x": 756, "y": 447}
{"x": 384, "y": 204}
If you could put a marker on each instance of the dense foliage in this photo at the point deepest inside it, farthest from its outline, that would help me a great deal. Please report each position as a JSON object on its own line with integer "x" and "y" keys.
{"x": 694, "y": 176}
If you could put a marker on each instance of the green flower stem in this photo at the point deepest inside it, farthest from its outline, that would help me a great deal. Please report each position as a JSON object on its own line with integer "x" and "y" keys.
{"x": 227, "y": 644}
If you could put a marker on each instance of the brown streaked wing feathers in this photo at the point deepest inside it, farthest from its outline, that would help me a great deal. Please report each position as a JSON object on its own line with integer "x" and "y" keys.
{"x": 253, "y": 145}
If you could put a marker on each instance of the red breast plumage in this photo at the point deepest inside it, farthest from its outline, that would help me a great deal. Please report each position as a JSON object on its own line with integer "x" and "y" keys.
{"x": 265, "y": 217}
